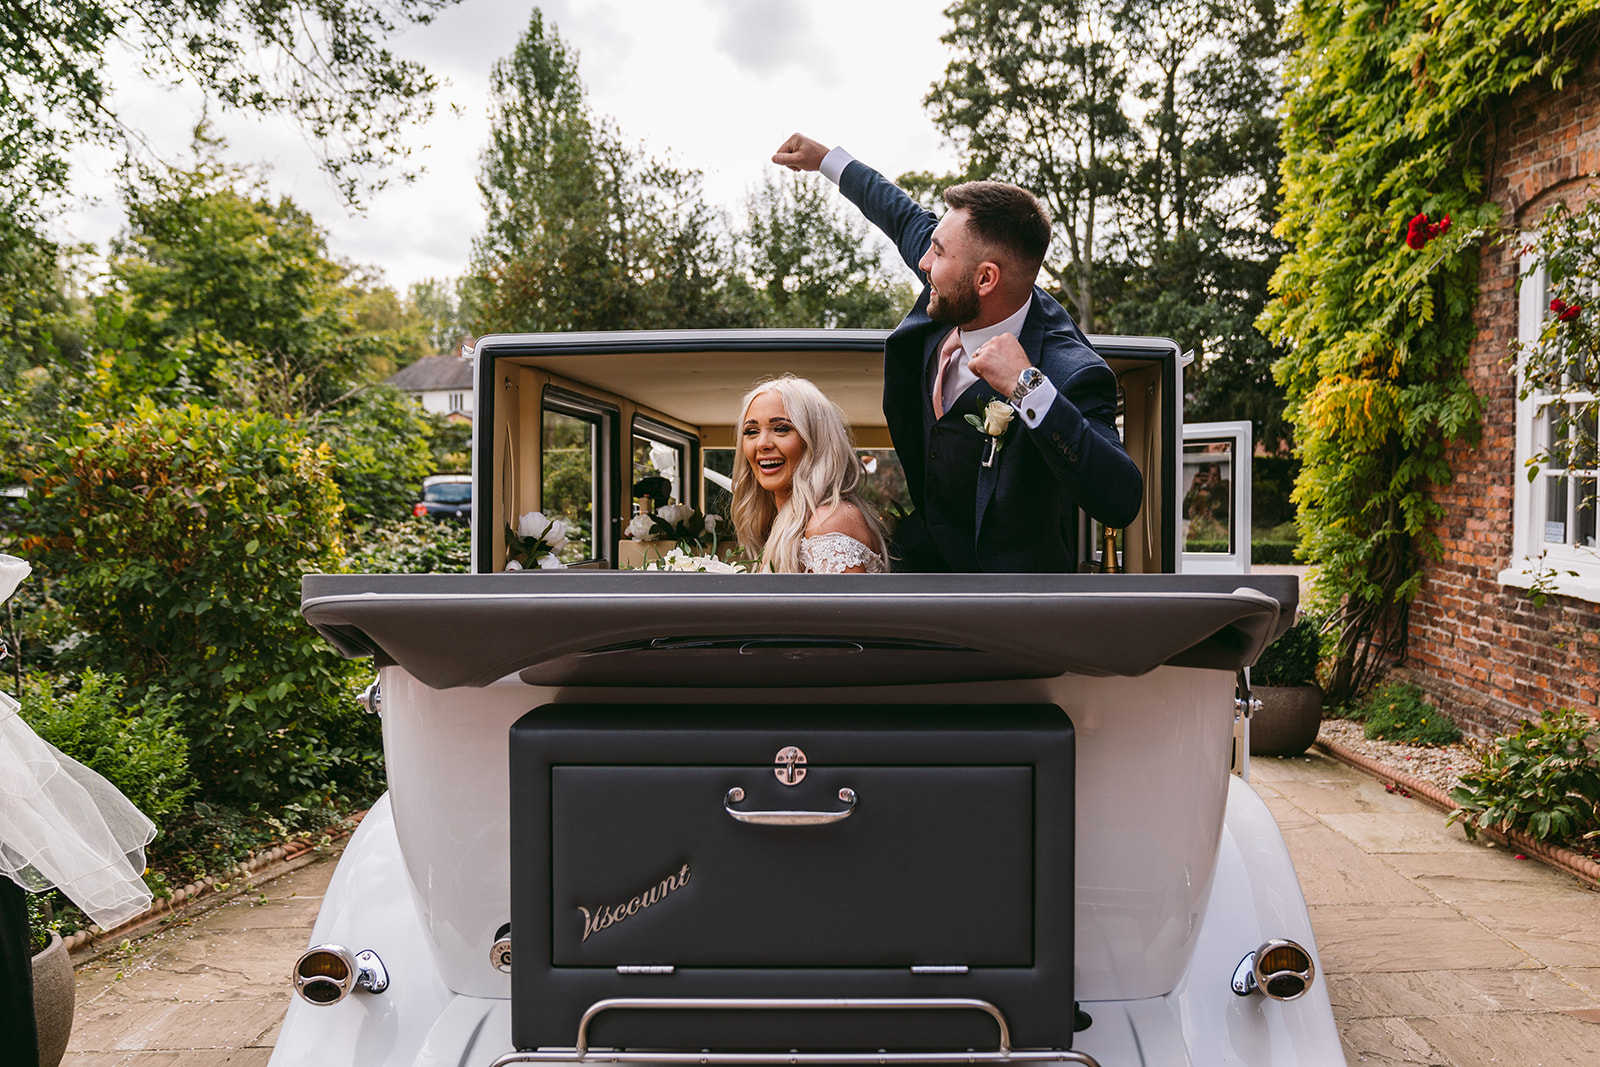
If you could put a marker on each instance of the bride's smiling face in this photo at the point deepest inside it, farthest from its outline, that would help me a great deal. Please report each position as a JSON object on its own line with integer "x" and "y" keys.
{"x": 771, "y": 445}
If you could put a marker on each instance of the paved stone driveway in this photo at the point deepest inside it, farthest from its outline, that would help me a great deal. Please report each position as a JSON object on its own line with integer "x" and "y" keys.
{"x": 1436, "y": 951}
{"x": 210, "y": 991}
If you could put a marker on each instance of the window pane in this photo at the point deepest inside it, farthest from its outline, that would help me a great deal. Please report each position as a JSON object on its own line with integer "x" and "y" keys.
{"x": 655, "y": 459}
{"x": 1584, "y": 520}
{"x": 883, "y": 487}
{"x": 1555, "y": 511}
{"x": 718, "y": 464}
{"x": 1208, "y": 496}
{"x": 569, "y": 458}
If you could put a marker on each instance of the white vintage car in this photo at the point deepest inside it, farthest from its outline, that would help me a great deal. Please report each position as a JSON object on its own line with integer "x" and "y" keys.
{"x": 755, "y": 818}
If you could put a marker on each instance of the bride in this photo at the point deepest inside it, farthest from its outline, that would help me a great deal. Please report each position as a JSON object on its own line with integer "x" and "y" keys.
{"x": 795, "y": 500}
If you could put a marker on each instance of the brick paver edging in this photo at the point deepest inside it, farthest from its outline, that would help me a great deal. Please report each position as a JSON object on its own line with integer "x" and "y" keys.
{"x": 257, "y": 867}
{"x": 1576, "y": 864}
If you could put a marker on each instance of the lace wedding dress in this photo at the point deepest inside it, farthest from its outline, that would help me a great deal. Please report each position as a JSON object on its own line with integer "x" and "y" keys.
{"x": 835, "y": 553}
{"x": 62, "y": 824}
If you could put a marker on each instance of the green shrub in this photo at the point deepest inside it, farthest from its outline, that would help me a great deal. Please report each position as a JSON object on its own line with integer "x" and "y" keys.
{"x": 176, "y": 539}
{"x": 1292, "y": 659}
{"x": 411, "y": 546}
{"x": 1398, "y": 712}
{"x": 139, "y": 748}
{"x": 1263, "y": 553}
{"x": 380, "y": 445}
{"x": 1543, "y": 780}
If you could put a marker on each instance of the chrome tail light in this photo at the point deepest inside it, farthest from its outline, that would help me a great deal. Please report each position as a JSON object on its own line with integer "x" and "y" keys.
{"x": 1280, "y": 970}
{"x": 326, "y": 974}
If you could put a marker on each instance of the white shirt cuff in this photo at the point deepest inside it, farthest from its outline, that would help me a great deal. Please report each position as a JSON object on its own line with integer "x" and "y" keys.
{"x": 1034, "y": 406}
{"x": 833, "y": 164}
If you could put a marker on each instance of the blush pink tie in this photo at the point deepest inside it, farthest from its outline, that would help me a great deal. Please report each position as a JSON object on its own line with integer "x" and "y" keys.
{"x": 952, "y": 345}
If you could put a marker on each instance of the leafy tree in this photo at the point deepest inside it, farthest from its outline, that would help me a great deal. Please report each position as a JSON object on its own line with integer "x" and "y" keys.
{"x": 439, "y": 306}
{"x": 176, "y": 539}
{"x": 584, "y": 232}
{"x": 330, "y": 72}
{"x": 217, "y": 291}
{"x": 814, "y": 265}
{"x": 220, "y": 295}
{"x": 1149, "y": 130}
{"x": 36, "y": 330}
{"x": 1035, "y": 94}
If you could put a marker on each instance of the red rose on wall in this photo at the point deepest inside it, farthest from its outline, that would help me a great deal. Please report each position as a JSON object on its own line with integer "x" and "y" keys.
{"x": 1420, "y": 231}
{"x": 1564, "y": 311}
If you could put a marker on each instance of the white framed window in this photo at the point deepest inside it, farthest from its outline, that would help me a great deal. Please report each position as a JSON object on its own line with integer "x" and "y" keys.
{"x": 1554, "y": 542}
{"x": 458, "y": 402}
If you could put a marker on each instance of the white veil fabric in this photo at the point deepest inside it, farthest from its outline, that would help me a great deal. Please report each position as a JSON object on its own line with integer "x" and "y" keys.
{"x": 62, "y": 825}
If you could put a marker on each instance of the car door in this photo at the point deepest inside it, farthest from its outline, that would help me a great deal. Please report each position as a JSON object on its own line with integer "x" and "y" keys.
{"x": 1214, "y": 498}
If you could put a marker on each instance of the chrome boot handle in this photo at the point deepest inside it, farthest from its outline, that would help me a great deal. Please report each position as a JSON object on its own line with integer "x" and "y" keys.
{"x": 789, "y": 818}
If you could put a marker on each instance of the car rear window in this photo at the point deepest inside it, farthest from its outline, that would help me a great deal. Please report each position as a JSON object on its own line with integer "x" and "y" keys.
{"x": 449, "y": 493}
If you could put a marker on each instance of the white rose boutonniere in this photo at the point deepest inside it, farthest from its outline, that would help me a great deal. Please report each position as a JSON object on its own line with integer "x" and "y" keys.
{"x": 997, "y": 415}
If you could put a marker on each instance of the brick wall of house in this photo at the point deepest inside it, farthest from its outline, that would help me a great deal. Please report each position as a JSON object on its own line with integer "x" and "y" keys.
{"x": 1483, "y": 651}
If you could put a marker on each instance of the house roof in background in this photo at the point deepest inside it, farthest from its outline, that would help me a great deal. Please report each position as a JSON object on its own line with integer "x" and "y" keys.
{"x": 433, "y": 372}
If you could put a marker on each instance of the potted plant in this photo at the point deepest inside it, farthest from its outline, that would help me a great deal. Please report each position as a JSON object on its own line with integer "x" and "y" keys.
{"x": 1284, "y": 679}
{"x": 54, "y": 991}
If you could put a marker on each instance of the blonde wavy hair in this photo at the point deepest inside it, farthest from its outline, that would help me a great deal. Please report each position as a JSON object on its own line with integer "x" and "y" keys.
{"x": 829, "y": 474}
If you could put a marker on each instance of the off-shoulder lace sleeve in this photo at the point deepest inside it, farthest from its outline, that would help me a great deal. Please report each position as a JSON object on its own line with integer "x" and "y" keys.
{"x": 835, "y": 553}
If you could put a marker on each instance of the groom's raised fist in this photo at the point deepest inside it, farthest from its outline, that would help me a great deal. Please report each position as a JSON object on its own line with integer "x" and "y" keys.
{"x": 800, "y": 152}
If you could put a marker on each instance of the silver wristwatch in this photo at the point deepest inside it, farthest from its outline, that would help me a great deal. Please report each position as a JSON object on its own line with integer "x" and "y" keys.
{"x": 1027, "y": 382}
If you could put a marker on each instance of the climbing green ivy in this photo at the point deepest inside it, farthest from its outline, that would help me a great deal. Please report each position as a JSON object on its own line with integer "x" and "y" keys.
{"x": 1386, "y": 129}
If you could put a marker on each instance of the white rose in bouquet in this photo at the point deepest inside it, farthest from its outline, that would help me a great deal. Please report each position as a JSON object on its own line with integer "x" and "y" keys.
{"x": 640, "y": 528}
{"x": 550, "y": 563}
{"x": 556, "y": 536}
{"x": 674, "y": 514}
{"x": 532, "y": 524}
{"x": 513, "y": 565}
{"x": 679, "y": 560}
{"x": 711, "y": 524}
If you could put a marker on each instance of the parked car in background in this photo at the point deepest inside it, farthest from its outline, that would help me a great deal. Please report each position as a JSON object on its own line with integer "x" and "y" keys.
{"x": 445, "y": 498}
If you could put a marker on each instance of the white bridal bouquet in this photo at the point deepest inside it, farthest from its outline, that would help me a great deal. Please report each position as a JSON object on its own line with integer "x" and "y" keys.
{"x": 679, "y": 560}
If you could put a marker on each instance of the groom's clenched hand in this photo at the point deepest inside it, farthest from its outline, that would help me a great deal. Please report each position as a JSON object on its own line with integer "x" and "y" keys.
{"x": 800, "y": 152}
{"x": 1000, "y": 361}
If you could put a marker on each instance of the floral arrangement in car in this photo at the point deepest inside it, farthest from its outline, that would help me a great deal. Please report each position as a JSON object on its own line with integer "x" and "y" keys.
{"x": 678, "y": 560}
{"x": 534, "y": 542}
{"x": 682, "y": 523}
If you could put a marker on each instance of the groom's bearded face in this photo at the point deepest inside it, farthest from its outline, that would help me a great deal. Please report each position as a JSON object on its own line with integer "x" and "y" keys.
{"x": 951, "y": 265}
{"x": 956, "y": 303}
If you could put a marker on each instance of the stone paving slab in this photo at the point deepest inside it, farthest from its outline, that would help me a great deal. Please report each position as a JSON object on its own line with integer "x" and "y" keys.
{"x": 1488, "y": 874}
{"x": 206, "y": 991}
{"x": 1437, "y": 951}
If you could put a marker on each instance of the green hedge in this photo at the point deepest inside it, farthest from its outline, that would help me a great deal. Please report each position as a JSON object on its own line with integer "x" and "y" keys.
{"x": 1261, "y": 552}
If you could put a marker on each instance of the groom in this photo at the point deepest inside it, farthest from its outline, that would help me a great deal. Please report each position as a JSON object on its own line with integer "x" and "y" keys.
{"x": 1000, "y": 496}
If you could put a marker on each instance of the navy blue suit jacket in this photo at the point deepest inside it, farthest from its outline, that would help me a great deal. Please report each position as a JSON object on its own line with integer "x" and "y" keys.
{"x": 1019, "y": 515}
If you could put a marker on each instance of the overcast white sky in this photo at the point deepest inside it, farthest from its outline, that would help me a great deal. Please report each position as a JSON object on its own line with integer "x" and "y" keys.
{"x": 713, "y": 84}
